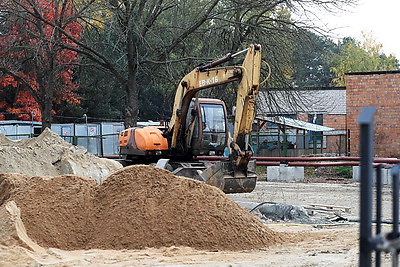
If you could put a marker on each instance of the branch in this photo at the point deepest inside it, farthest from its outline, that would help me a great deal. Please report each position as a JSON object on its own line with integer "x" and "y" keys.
{"x": 24, "y": 82}
{"x": 85, "y": 49}
{"x": 188, "y": 31}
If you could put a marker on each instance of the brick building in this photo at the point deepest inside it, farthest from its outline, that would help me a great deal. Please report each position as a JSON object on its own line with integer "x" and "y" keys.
{"x": 382, "y": 90}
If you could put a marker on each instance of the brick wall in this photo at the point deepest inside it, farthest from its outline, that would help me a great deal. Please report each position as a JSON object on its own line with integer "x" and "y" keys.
{"x": 302, "y": 117}
{"x": 336, "y": 121}
{"x": 335, "y": 144}
{"x": 380, "y": 89}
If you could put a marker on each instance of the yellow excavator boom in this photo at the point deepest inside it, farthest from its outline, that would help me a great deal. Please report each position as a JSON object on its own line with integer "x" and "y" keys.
{"x": 210, "y": 76}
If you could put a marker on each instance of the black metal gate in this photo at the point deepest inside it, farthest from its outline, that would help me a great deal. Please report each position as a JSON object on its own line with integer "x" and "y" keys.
{"x": 379, "y": 242}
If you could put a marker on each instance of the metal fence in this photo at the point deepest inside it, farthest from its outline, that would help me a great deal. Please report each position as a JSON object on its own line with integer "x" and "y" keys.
{"x": 296, "y": 145}
{"x": 100, "y": 139}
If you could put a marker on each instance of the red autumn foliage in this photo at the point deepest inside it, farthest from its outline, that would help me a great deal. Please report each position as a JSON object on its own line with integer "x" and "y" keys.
{"x": 34, "y": 61}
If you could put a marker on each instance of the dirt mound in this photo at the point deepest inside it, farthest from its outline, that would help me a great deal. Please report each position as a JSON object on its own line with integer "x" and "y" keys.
{"x": 160, "y": 209}
{"x": 49, "y": 155}
{"x": 135, "y": 207}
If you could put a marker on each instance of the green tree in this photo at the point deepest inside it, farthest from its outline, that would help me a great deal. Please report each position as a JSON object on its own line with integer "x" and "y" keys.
{"x": 311, "y": 61}
{"x": 355, "y": 56}
{"x": 156, "y": 42}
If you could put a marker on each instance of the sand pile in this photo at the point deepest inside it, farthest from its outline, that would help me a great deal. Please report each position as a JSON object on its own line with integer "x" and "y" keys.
{"x": 135, "y": 207}
{"x": 49, "y": 155}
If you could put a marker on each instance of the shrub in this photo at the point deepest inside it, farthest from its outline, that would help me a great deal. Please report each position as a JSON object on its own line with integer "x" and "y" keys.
{"x": 343, "y": 171}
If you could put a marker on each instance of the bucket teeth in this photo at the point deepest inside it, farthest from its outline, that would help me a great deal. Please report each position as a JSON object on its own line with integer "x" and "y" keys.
{"x": 223, "y": 176}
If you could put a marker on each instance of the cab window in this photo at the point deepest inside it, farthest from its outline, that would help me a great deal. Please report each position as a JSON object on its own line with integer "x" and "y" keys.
{"x": 213, "y": 118}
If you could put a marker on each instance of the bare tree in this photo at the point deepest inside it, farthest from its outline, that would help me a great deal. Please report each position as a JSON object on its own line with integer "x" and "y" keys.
{"x": 152, "y": 35}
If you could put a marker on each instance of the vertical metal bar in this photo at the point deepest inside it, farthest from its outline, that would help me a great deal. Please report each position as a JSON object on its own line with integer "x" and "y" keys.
{"x": 378, "y": 210}
{"x": 366, "y": 160}
{"x": 395, "y": 175}
{"x": 348, "y": 143}
{"x": 314, "y": 143}
{"x": 101, "y": 140}
{"x": 258, "y": 137}
{"x": 285, "y": 145}
{"x": 279, "y": 141}
{"x": 395, "y": 232}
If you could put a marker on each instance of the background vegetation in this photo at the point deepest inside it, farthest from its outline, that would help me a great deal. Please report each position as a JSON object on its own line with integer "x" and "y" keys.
{"x": 122, "y": 59}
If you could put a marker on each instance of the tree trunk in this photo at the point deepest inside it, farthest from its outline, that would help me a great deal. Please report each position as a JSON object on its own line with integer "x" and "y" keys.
{"x": 132, "y": 92}
{"x": 46, "y": 110}
{"x": 131, "y": 104}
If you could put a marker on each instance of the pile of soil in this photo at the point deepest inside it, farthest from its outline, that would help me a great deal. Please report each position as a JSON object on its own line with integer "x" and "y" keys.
{"x": 50, "y": 155}
{"x": 135, "y": 207}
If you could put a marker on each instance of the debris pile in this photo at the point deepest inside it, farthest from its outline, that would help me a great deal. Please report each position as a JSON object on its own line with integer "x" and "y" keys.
{"x": 49, "y": 155}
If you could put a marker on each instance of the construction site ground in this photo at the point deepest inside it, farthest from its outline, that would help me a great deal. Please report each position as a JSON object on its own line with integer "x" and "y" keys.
{"x": 53, "y": 214}
{"x": 334, "y": 244}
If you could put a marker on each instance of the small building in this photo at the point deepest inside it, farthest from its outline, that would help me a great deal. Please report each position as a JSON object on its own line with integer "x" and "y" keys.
{"x": 16, "y": 130}
{"x": 314, "y": 119}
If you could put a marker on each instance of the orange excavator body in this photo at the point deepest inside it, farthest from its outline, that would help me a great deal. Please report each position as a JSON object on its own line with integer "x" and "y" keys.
{"x": 150, "y": 138}
{"x": 148, "y": 141}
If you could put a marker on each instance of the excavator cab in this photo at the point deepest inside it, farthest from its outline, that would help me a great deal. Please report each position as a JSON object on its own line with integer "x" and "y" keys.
{"x": 207, "y": 133}
{"x": 207, "y": 123}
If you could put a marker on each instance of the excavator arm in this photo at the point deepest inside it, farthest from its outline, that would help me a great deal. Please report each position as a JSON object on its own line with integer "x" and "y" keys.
{"x": 209, "y": 75}
{"x": 237, "y": 174}
{"x": 192, "y": 83}
{"x": 245, "y": 108}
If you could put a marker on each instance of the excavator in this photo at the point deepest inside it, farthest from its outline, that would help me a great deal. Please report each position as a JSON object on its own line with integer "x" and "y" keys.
{"x": 199, "y": 127}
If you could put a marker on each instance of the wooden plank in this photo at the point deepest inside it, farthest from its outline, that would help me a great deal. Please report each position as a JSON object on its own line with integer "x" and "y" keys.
{"x": 329, "y": 207}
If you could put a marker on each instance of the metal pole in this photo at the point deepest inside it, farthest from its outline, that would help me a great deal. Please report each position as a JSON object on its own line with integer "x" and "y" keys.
{"x": 395, "y": 233}
{"x": 378, "y": 210}
{"x": 101, "y": 140}
{"x": 239, "y": 53}
{"x": 365, "y": 120}
{"x": 395, "y": 174}
{"x": 284, "y": 147}
{"x": 222, "y": 60}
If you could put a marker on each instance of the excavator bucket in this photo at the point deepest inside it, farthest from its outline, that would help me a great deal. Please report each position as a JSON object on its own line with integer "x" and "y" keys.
{"x": 224, "y": 176}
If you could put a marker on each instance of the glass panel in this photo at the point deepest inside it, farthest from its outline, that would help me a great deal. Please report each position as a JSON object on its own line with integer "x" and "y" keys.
{"x": 213, "y": 118}
{"x": 213, "y": 141}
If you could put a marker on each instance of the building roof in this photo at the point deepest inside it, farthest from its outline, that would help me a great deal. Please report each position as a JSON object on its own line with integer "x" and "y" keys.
{"x": 296, "y": 124}
{"x": 373, "y": 72}
{"x": 309, "y": 101}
